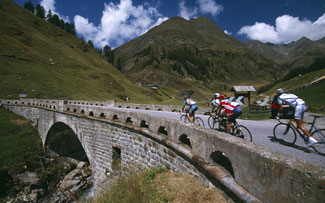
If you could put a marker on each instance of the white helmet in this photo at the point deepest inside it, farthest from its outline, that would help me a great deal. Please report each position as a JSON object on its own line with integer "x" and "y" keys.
{"x": 280, "y": 91}
{"x": 216, "y": 95}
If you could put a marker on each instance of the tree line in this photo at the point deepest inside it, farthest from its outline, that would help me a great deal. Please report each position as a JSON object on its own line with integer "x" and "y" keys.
{"x": 39, "y": 11}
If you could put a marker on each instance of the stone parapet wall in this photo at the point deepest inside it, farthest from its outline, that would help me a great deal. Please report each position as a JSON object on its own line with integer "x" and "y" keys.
{"x": 170, "y": 108}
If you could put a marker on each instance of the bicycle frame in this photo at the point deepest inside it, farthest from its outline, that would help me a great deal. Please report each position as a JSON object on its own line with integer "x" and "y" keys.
{"x": 296, "y": 128}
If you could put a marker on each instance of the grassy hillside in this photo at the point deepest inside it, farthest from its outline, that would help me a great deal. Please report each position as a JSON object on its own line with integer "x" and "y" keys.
{"x": 43, "y": 61}
{"x": 18, "y": 139}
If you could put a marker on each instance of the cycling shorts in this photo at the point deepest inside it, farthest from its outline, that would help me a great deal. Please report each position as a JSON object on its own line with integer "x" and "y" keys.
{"x": 299, "y": 111}
{"x": 235, "y": 113}
{"x": 193, "y": 108}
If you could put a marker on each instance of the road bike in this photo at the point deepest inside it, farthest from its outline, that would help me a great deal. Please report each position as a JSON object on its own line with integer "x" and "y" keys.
{"x": 184, "y": 118}
{"x": 287, "y": 132}
{"x": 213, "y": 119}
{"x": 235, "y": 130}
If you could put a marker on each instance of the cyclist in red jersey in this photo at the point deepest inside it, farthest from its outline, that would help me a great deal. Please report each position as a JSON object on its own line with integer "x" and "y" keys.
{"x": 231, "y": 109}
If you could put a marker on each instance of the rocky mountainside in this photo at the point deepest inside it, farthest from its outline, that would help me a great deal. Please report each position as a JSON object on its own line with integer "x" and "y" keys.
{"x": 195, "y": 54}
{"x": 301, "y": 53}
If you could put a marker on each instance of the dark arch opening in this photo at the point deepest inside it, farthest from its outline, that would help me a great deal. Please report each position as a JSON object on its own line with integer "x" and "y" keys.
{"x": 160, "y": 109}
{"x": 68, "y": 109}
{"x": 129, "y": 120}
{"x": 147, "y": 108}
{"x": 162, "y": 130}
{"x": 185, "y": 140}
{"x": 136, "y": 107}
{"x": 115, "y": 117}
{"x": 82, "y": 111}
{"x": 65, "y": 142}
{"x": 222, "y": 160}
{"x": 91, "y": 113}
{"x": 74, "y": 110}
{"x": 128, "y": 107}
{"x": 119, "y": 106}
{"x": 102, "y": 115}
{"x": 174, "y": 110}
{"x": 144, "y": 124}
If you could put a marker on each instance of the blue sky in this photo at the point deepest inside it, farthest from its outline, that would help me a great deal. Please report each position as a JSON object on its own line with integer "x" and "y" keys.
{"x": 114, "y": 22}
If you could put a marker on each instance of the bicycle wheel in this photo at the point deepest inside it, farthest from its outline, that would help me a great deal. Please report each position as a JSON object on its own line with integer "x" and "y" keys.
{"x": 212, "y": 120}
{"x": 184, "y": 119}
{"x": 221, "y": 126}
{"x": 319, "y": 135}
{"x": 198, "y": 121}
{"x": 244, "y": 133}
{"x": 284, "y": 133}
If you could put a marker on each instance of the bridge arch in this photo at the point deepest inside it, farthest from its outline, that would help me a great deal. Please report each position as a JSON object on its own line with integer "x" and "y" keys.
{"x": 222, "y": 160}
{"x": 63, "y": 137}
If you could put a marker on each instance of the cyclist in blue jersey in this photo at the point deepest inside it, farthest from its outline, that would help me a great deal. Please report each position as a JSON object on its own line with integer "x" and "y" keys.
{"x": 215, "y": 101}
{"x": 193, "y": 107}
{"x": 299, "y": 107}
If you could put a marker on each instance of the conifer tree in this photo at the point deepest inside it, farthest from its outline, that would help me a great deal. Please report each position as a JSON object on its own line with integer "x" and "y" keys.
{"x": 108, "y": 53}
{"x": 90, "y": 43}
{"x": 29, "y": 6}
{"x": 49, "y": 17}
{"x": 56, "y": 20}
{"x": 62, "y": 24}
{"x": 40, "y": 11}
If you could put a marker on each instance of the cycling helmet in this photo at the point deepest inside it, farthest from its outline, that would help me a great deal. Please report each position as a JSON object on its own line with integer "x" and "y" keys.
{"x": 223, "y": 96}
{"x": 216, "y": 95}
{"x": 186, "y": 97}
{"x": 280, "y": 91}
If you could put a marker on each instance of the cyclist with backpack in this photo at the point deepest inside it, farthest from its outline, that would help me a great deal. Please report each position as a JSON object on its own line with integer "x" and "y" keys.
{"x": 299, "y": 110}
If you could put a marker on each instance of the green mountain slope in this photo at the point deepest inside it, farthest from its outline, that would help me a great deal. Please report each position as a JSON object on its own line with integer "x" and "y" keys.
{"x": 44, "y": 61}
{"x": 301, "y": 53}
{"x": 179, "y": 55}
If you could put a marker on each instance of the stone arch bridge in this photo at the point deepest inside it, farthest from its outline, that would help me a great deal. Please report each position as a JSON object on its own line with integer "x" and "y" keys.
{"x": 245, "y": 171}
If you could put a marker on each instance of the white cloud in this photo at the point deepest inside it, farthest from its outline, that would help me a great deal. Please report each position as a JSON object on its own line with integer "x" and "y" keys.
{"x": 286, "y": 29}
{"x": 119, "y": 23}
{"x": 202, "y": 7}
{"x": 210, "y": 7}
{"x": 50, "y": 5}
{"x": 185, "y": 12}
{"x": 227, "y": 32}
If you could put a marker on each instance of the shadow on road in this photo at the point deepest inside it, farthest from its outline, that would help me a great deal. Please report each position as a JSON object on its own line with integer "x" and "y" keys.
{"x": 313, "y": 150}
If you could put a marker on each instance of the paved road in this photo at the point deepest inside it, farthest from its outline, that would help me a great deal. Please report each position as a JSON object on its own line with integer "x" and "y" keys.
{"x": 262, "y": 132}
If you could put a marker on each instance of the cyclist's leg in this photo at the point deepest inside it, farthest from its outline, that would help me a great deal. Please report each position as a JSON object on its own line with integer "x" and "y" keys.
{"x": 299, "y": 118}
{"x": 191, "y": 114}
{"x": 235, "y": 114}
